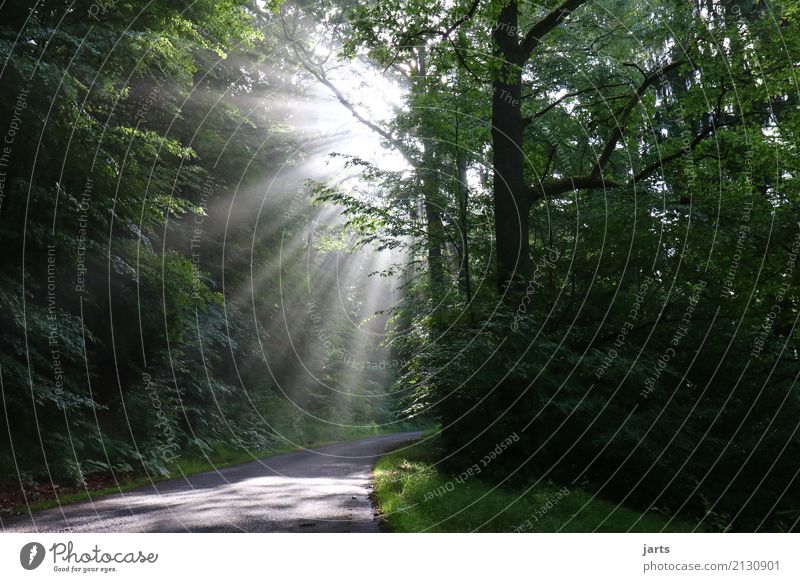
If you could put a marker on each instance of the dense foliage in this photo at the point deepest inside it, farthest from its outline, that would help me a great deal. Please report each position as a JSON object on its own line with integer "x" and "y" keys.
{"x": 152, "y": 237}
{"x": 602, "y": 225}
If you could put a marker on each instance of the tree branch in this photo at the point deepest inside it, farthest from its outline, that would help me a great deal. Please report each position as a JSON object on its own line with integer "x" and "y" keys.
{"x": 595, "y": 178}
{"x": 659, "y": 164}
{"x": 555, "y": 103}
{"x": 463, "y": 62}
{"x": 444, "y": 34}
{"x": 619, "y": 127}
{"x": 545, "y": 25}
{"x": 556, "y": 187}
{"x": 318, "y": 72}
{"x": 470, "y": 13}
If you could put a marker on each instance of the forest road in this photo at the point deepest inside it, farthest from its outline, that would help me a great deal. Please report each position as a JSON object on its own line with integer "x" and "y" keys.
{"x": 326, "y": 489}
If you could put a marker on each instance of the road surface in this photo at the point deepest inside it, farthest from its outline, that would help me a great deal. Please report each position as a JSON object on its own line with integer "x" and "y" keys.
{"x": 319, "y": 490}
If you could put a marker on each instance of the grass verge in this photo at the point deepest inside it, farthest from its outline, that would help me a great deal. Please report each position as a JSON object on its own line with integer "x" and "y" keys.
{"x": 413, "y": 495}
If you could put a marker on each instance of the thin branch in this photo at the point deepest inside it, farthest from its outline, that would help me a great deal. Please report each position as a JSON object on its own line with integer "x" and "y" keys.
{"x": 591, "y": 49}
{"x": 619, "y": 127}
{"x": 318, "y": 72}
{"x": 406, "y": 42}
{"x": 464, "y": 63}
{"x": 320, "y": 76}
{"x": 470, "y": 13}
{"x": 561, "y": 99}
{"x": 659, "y": 164}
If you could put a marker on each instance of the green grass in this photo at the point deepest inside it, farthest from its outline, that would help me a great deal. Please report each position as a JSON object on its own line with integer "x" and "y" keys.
{"x": 407, "y": 483}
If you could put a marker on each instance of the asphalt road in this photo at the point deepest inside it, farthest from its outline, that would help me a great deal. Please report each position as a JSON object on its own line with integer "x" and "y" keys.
{"x": 318, "y": 490}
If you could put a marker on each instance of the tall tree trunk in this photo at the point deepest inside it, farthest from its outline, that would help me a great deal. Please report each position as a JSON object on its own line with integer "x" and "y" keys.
{"x": 511, "y": 200}
{"x": 463, "y": 211}
{"x": 430, "y": 184}
{"x": 435, "y": 235}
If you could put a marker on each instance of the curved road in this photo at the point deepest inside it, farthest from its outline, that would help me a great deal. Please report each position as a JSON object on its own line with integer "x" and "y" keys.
{"x": 318, "y": 490}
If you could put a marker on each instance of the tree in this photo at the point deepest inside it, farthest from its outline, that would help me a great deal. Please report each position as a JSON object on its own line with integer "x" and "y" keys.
{"x": 628, "y": 145}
